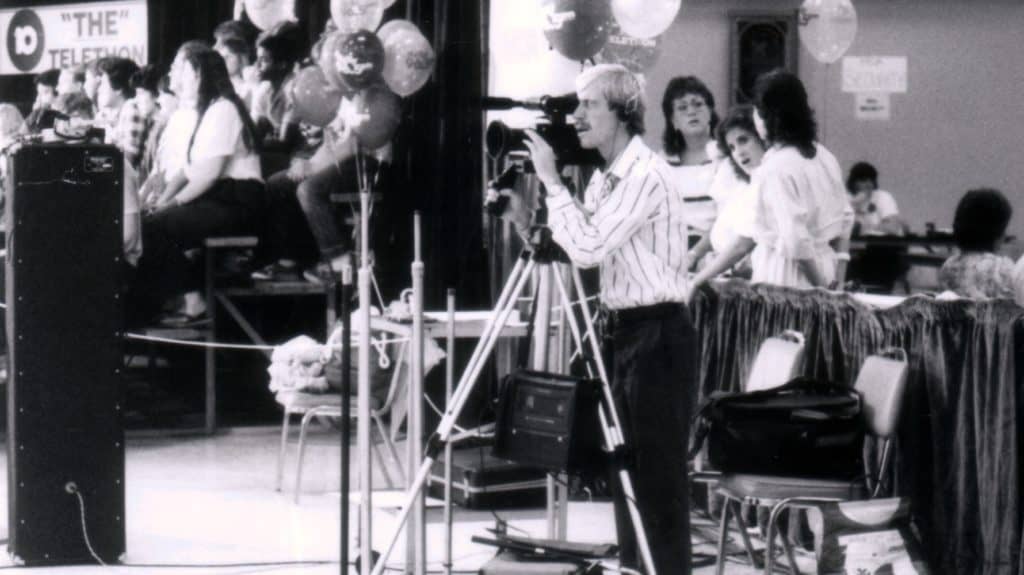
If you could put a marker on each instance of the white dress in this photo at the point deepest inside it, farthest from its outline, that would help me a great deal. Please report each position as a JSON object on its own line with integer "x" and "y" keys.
{"x": 802, "y": 204}
{"x": 694, "y": 183}
{"x": 735, "y": 201}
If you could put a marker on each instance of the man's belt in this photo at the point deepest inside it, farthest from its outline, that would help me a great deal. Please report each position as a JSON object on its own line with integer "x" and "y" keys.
{"x": 642, "y": 313}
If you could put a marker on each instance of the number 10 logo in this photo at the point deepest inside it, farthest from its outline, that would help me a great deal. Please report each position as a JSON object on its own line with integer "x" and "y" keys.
{"x": 25, "y": 40}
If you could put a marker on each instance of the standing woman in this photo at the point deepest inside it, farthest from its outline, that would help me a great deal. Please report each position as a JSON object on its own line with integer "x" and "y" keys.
{"x": 220, "y": 189}
{"x": 803, "y": 214}
{"x": 690, "y": 121}
{"x": 732, "y": 236}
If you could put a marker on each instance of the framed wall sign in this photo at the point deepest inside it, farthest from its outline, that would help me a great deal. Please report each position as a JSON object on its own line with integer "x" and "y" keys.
{"x": 759, "y": 42}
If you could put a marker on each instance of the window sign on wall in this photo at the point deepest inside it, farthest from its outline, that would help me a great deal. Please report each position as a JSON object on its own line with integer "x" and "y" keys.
{"x": 36, "y": 39}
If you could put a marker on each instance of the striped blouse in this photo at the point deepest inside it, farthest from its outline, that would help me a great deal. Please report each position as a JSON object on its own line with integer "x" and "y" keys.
{"x": 632, "y": 225}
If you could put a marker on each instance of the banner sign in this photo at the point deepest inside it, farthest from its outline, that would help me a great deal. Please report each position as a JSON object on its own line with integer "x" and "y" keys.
{"x": 37, "y": 39}
{"x": 875, "y": 74}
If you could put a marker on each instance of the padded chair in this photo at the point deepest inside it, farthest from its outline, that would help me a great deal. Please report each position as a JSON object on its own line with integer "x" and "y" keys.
{"x": 881, "y": 384}
{"x": 314, "y": 405}
{"x": 778, "y": 360}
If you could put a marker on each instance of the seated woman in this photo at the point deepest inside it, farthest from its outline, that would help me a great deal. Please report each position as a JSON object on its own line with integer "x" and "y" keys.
{"x": 218, "y": 192}
{"x": 979, "y": 228}
{"x": 875, "y": 210}
{"x": 732, "y": 235}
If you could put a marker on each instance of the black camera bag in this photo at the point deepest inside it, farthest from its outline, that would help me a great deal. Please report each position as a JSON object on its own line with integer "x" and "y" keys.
{"x": 805, "y": 428}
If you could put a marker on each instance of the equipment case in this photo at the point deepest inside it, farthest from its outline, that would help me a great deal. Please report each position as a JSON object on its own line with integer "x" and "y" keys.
{"x": 482, "y": 481}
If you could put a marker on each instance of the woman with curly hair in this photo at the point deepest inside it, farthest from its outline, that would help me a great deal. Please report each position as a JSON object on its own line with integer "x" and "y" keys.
{"x": 803, "y": 212}
{"x": 732, "y": 235}
{"x": 688, "y": 146}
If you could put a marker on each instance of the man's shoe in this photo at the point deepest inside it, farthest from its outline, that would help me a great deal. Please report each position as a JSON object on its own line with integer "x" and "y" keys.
{"x": 321, "y": 274}
{"x": 277, "y": 272}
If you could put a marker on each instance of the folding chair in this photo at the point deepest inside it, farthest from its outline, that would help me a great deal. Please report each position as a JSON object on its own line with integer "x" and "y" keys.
{"x": 312, "y": 405}
{"x": 778, "y": 360}
{"x": 881, "y": 384}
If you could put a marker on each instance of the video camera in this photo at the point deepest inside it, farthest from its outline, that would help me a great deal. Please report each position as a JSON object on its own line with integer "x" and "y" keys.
{"x": 501, "y": 140}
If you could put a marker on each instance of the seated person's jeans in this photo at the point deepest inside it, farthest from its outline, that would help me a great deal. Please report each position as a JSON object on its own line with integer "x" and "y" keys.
{"x": 290, "y": 228}
{"x": 314, "y": 195}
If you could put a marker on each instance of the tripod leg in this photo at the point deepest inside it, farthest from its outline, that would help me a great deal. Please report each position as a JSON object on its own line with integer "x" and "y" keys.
{"x": 612, "y": 433}
{"x": 595, "y": 348}
{"x": 461, "y": 395}
{"x": 503, "y": 301}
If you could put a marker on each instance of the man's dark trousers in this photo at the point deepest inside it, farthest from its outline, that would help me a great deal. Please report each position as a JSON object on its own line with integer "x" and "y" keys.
{"x": 654, "y": 351}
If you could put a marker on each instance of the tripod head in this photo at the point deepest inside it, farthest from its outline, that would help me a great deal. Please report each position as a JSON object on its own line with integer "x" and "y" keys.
{"x": 541, "y": 244}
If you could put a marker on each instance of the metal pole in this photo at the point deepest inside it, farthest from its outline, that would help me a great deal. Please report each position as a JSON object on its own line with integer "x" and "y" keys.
{"x": 541, "y": 338}
{"x": 342, "y": 304}
{"x": 459, "y": 398}
{"x": 364, "y": 430}
{"x": 416, "y": 535}
{"x": 449, "y": 379}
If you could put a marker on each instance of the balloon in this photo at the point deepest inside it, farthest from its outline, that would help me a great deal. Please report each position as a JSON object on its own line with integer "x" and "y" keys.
{"x": 315, "y": 100}
{"x": 326, "y": 61}
{"x": 354, "y": 15}
{"x": 358, "y": 59}
{"x": 408, "y": 61}
{"x": 392, "y": 26}
{"x": 577, "y": 28}
{"x": 645, "y": 18}
{"x": 636, "y": 54}
{"x": 264, "y": 14}
{"x": 827, "y": 28}
{"x": 373, "y": 115}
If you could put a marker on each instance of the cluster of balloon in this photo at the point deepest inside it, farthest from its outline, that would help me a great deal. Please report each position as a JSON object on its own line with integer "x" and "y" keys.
{"x": 827, "y": 28}
{"x": 578, "y": 29}
{"x": 408, "y": 57}
{"x": 582, "y": 29}
{"x": 360, "y": 76}
{"x": 636, "y": 54}
{"x": 645, "y": 18}
{"x": 316, "y": 100}
{"x": 265, "y": 14}
{"x": 358, "y": 59}
{"x": 354, "y": 15}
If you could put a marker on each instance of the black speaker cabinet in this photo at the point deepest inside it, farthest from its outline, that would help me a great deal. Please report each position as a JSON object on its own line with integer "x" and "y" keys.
{"x": 64, "y": 321}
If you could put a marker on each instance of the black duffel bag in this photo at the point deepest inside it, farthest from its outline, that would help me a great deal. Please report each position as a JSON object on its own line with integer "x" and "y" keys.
{"x": 805, "y": 428}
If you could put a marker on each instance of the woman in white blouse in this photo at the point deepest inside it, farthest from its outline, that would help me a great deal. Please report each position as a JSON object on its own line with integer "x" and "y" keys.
{"x": 218, "y": 192}
{"x": 690, "y": 121}
{"x": 732, "y": 236}
{"x": 802, "y": 213}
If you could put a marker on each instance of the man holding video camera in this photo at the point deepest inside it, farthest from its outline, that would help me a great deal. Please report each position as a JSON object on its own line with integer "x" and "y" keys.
{"x": 629, "y": 222}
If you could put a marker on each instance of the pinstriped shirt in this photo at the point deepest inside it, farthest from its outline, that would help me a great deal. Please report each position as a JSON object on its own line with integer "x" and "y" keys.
{"x": 631, "y": 224}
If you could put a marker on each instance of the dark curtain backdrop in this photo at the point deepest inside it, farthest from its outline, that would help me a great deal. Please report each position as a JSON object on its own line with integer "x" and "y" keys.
{"x": 958, "y": 450}
{"x": 439, "y": 150}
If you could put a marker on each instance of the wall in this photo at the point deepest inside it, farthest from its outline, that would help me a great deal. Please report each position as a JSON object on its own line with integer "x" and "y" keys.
{"x": 960, "y": 125}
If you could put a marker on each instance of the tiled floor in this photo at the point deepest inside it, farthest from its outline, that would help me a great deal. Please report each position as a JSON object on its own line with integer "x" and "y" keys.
{"x": 210, "y": 501}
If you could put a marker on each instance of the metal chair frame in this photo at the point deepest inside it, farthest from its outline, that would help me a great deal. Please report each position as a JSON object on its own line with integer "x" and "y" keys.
{"x": 882, "y": 431}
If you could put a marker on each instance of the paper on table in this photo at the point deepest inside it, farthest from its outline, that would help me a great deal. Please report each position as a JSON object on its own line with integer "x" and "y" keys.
{"x": 867, "y": 553}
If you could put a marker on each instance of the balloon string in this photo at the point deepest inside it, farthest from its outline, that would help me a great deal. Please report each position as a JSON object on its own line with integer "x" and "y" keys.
{"x": 824, "y": 107}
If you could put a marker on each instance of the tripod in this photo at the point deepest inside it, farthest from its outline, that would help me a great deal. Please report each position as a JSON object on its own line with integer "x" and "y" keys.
{"x": 543, "y": 253}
